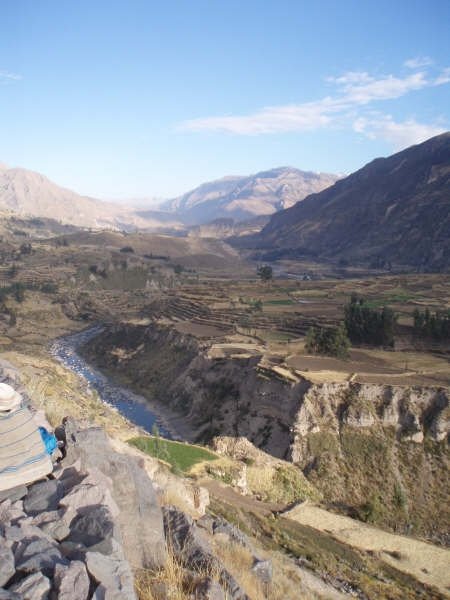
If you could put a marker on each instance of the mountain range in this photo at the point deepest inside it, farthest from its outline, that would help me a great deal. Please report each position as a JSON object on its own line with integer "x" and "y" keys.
{"x": 393, "y": 210}
{"x": 247, "y": 197}
{"x": 27, "y": 193}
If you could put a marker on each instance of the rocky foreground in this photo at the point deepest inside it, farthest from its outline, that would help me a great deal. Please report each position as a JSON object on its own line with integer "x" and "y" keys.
{"x": 86, "y": 530}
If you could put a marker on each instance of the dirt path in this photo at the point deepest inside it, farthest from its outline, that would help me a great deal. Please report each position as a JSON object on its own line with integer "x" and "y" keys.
{"x": 226, "y": 493}
{"x": 427, "y": 563}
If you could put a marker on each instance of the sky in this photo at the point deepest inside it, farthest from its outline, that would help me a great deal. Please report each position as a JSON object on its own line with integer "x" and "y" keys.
{"x": 145, "y": 99}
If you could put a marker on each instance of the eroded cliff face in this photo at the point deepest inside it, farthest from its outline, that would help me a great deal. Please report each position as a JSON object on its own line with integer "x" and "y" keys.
{"x": 376, "y": 450}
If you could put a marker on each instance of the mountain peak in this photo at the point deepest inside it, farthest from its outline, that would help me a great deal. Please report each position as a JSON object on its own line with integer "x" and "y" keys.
{"x": 245, "y": 197}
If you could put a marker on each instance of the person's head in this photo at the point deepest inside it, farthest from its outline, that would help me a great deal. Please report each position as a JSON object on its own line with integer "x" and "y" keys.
{"x": 9, "y": 398}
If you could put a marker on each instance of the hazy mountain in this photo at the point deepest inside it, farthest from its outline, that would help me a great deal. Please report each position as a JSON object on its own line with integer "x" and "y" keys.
{"x": 243, "y": 198}
{"x": 395, "y": 209}
{"x": 27, "y": 193}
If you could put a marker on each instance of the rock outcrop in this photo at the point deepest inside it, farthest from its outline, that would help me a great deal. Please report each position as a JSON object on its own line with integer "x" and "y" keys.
{"x": 61, "y": 538}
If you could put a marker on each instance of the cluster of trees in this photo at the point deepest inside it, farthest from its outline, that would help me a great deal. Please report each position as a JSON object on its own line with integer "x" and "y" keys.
{"x": 330, "y": 341}
{"x": 432, "y": 325}
{"x": 366, "y": 325}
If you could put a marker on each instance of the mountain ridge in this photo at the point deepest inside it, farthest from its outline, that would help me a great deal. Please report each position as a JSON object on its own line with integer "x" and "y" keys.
{"x": 245, "y": 197}
{"x": 394, "y": 209}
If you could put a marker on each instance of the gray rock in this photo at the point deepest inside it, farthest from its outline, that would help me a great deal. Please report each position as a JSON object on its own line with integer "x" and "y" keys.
{"x": 43, "y": 496}
{"x": 8, "y": 595}
{"x": 69, "y": 477}
{"x": 58, "y": 530}
{"x": 140, "y": 518}
{"x": 53, "y": 523}
{"x": 71, "y": 582}
{"x": 208, "y": 589}
{"x": 16, "y": 493}
{"x": 206, "y": 522}
{"x": 186, "y": 541}
{"x": 7, "y": 568}
{"x": 11, "y": 512}
{"x": 235, "y": 534}
{"x": 33, "y": 587}
{"x": 194, "y": 551}
{"x": 94, "y": 528}
{"x": 263, "y": 570}
{"x": 73, "y": 550}
{"x": 113, "y": 576}
{"x": 17, "y": 533}
{"x": 36, "y": 554}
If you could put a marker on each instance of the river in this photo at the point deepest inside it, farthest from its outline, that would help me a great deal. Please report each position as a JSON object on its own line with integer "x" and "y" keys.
{"x": 132, "y": 406}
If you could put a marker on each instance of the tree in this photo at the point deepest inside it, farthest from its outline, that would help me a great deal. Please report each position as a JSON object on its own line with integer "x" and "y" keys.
{"x": 265, "y": 272}
{"x": 432, "y": 325}
{"x": 26, "y": 248}
{"x": 329, "y": 341}
{"x": 19, "y": 292}
{"x": 366, "y": 325}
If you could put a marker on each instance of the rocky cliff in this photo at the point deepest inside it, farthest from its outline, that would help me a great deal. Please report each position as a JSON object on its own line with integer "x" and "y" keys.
{"x": 377, "y": 451}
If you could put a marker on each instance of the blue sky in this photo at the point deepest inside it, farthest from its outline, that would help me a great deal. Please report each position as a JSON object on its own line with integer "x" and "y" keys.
{"x": 133, "y": 99}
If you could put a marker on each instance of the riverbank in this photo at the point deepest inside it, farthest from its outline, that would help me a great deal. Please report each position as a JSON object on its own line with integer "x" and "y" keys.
{"x": 139, "y": 410}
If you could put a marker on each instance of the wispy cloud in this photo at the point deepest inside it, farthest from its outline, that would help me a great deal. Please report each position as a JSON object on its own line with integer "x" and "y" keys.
{"x": 443, "y": 77}
{"x": 367, "y": 89}
{"x": 8, "y": 77}
{"x": 418, "y": 62}
{"x": 353, "y": 92}
{"x": 399, "y": 134}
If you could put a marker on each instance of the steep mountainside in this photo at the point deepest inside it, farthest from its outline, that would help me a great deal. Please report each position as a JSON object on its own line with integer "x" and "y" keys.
{"x": 243, "y": 198}
{"x": 27, "y": 193}
{"x": 393, "y": 210}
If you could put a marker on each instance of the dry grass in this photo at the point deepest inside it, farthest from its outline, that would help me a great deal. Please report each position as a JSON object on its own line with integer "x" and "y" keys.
{"x": 159, "y": 585}
{"x": 239, "y": 561}
{"x": 174, "y": 581}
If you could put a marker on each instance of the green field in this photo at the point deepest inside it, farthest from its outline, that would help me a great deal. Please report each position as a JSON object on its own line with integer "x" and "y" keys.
{"x": 180, "y": 456}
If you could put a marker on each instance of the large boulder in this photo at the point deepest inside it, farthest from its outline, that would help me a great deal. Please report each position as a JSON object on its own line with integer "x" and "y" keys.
{"x": 113, "y": 576}
{"x": 71, "y": 582}
{"x": 37, "y": 555}
{"x": 43, "y": 496}
{"x": 33, "y": 587}
{"x": 140, "y": 517}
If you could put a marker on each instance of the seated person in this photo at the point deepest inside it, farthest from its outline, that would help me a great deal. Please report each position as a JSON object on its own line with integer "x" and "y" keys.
{"x": 24, "y": 455}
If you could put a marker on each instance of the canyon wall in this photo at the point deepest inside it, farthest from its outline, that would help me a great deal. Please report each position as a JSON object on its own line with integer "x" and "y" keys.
{"x": 379, "y": 452}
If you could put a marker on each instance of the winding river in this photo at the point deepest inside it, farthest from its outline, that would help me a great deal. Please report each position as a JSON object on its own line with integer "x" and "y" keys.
{"x": 132, "y": 406}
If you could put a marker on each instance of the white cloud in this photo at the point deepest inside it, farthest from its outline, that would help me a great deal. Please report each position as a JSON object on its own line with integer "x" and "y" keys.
{"x": 443, "y": 77}
{"x": 399, "y": 134}
{"x": 7, "y": 77}
{"x": 271, "y": 119}
{"x": 347, "y": 107}
{"x": 351, "y": 77}
{"x": 384, "y": 88}
{"x": 418, "y": 62}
